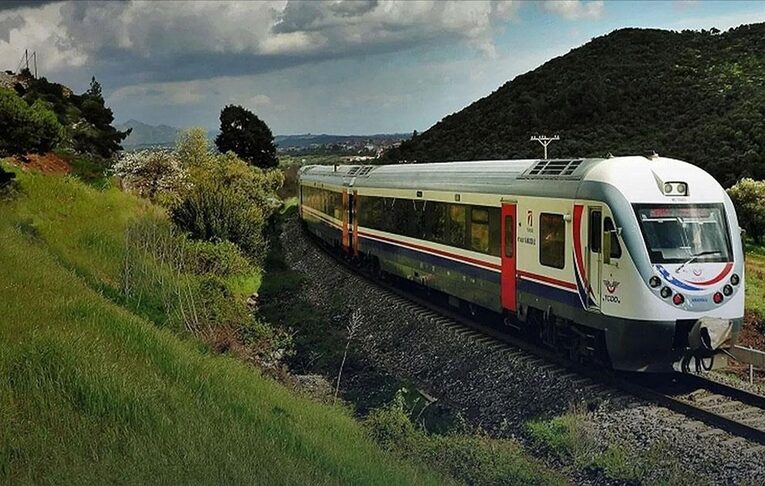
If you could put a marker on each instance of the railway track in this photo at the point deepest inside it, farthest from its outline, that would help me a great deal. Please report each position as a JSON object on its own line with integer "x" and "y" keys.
{"x": 733, "y": 410}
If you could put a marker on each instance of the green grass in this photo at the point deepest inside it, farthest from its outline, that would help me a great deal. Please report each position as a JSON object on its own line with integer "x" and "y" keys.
{"x": 755, "y": 280}
{"x": 91, "y": 392}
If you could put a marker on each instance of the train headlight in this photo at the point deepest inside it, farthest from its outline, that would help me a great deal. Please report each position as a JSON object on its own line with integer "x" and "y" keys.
{"x": 718, "y": 297}
{"x": 675, "y": 189}
{"x": 654, "y": 281}
{"x": 727, "y": 290}
{"x": 735, "y": 279}
{"x": 666, "y": 292}
{"x": 678, "y": 299}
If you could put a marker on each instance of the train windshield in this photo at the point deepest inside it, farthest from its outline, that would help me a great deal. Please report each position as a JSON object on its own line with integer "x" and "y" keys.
{"x": 684, "y": 233}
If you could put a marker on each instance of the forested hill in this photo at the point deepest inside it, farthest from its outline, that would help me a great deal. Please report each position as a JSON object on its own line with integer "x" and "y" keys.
{"x": 697, "y": 96}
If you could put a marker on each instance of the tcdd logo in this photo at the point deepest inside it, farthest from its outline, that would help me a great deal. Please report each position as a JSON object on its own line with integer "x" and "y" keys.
{"x": 529, "y": 218}
{"x": 611, "y": 286}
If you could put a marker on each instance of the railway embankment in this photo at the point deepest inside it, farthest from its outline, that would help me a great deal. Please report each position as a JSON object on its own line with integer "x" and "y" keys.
{"x": 596, "y": 432}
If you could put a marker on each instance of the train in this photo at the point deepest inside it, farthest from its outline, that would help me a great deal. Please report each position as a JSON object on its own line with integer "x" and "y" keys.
{"x": 633, "y": 262}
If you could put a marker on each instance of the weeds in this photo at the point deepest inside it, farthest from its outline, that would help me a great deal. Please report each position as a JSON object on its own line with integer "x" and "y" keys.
{"x": 470, "y": 457}
{"x": 353, "y": 326}
{"x": 570, "y": 437}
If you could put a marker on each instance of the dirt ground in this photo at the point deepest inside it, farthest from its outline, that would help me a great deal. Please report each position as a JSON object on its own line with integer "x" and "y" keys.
{"x": 49, "y": 163}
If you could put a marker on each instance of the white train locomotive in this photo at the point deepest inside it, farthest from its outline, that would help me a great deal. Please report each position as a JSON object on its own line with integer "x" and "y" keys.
{"x": 633, "y": 261}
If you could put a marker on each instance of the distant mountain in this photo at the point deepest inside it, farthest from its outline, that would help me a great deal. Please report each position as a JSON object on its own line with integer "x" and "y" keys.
{"x": 308, "y": 140}
{"x": 145, "y": 135}
{"x": 696, "y": 96}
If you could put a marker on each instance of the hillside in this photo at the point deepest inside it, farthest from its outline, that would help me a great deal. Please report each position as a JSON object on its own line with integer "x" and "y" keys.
{"x": 698, "y": 96}
{"x": 94, "y": 388}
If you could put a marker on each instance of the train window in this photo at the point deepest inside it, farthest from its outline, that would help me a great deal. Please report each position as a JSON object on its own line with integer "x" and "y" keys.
{"x": 479, "y": 229}
{"x": 552, "y": 240}
{"x": 616, "y": 248}
{"x": 596, "y": 231}
{"x": 434, "y": 222}
{"x": 509, "y": 236}
{"x": 456, "y": 225}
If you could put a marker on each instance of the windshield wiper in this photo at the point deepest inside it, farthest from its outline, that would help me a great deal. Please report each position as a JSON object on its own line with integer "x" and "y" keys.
{"x": 695, "y": 256}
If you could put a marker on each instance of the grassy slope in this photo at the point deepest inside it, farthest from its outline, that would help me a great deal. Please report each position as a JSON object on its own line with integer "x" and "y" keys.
{"x": 90, "y": 391}
{"x": 755, "y": 280}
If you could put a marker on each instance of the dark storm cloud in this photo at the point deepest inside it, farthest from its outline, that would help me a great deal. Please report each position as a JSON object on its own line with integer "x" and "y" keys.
{"x": 16, "y": 4}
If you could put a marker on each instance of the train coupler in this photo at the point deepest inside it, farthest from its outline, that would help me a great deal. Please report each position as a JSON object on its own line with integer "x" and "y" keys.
{"x": 709, "y": 337}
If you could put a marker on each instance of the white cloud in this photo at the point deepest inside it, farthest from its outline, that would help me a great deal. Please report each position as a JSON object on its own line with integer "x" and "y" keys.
{"x": 575, "y": 9}
{"x": 172, "y": 31}
{"x": 38, "y": 31}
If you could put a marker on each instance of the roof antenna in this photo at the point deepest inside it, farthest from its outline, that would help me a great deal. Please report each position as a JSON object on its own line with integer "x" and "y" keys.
{"x": 544, "y": 140}
{"x": 609, "y": 155}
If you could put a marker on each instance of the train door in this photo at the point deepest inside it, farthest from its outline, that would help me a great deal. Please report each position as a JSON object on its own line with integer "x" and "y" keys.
{"x": 508, "y": 278}
{"x": 594, "y": 254}
{"x": 354, "y": 216}
{"x": 345, "y": 220}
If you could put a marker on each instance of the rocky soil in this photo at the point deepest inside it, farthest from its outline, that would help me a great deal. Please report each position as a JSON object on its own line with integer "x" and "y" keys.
{"x": 501, "y": 389}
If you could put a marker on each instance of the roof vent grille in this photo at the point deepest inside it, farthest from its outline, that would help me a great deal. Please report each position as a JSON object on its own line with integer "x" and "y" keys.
{"x": 366, "y": 170}
{"x": 554, "y": 168}
{"x": 360, "y": 170}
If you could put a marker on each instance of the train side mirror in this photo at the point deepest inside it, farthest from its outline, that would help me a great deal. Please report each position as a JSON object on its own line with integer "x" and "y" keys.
{"x": 606, "y": 246}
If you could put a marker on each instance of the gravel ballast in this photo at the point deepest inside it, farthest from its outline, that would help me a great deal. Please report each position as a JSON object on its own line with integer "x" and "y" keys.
{"x": 501, "y": 390}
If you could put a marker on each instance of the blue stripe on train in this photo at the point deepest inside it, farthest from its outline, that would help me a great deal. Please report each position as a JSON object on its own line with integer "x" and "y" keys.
{"x": 430, "y": 259}
{"x": 549, "y": 292}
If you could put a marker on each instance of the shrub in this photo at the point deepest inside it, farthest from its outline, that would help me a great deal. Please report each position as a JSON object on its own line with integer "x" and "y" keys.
{"x": 154, "y": 174}
{"x": 219, "y": 258}
{"x": 748, "y": 196}
{"x": 25, "y": 128}
{"x": 222, "y": 214}
{"x": 227, "y": 200}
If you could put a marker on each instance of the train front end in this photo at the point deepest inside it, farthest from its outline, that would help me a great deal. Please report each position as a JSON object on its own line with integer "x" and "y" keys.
{"x": 686, "y": 289}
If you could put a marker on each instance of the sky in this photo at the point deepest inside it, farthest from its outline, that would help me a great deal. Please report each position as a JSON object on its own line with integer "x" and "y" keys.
{"x": 336, "y": 66}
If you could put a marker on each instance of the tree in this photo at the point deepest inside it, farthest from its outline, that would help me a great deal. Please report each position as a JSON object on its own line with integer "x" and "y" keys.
{"x": 193, "y": 148}
{"x": 243, "y": 133}
{"x": 748, "y": 196}
{"x": 96, "y": 135}
{"x": 95, "y": 90}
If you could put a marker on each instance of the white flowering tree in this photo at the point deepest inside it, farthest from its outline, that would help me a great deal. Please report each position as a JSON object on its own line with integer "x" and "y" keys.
{"x": 151, "y": 173}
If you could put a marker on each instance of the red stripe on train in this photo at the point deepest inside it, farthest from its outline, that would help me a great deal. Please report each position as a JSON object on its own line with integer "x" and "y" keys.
{"x": 453, "y": 256}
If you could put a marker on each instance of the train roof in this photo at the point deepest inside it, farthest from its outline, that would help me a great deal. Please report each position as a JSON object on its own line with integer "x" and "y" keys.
{"x": 474, "y": 176}
{"x": 542, "y": 177}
